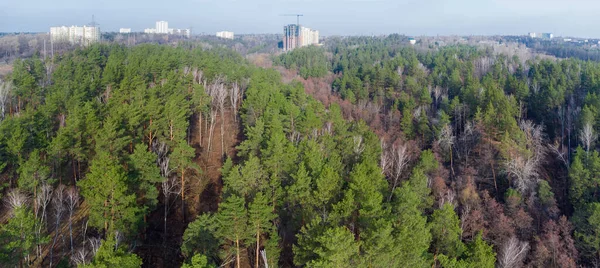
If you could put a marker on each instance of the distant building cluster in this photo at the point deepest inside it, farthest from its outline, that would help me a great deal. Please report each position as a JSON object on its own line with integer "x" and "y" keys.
{"x": 162, "y": 27}
{"x": 541, "y": 35}
{"x": 295, "y": 36}
{"x": 83, "y": 35}
{"x": 125, "y": 30}
{"x": 225, "y": 34}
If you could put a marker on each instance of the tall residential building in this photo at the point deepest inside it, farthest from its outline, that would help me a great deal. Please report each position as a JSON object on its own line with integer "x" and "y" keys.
{"x": 541, "y": 35}
{"x": 162, "y": 27}
{"x": 547, "y": 35}
{"x": 225, "y": 34}
{"x": 295, "y": 36}
{"x": 84, "y": 35}
{"x": 125, "y": 30}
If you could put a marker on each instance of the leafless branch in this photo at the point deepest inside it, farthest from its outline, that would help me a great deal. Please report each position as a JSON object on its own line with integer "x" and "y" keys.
{"x": 512, "y": 253}
{"x": 16, "y": 199}
{"x": 587, "y": 136}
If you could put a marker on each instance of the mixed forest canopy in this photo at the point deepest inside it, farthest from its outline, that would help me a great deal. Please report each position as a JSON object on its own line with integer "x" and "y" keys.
{"x": 376, "y": 154}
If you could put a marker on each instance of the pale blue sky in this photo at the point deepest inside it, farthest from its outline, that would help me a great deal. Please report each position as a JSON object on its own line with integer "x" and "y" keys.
{"x": 331, "y": 17}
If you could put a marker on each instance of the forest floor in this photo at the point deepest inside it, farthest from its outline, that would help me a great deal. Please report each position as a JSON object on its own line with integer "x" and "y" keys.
{"x": 203, "y": 191}
{"x": 63, "y": 238}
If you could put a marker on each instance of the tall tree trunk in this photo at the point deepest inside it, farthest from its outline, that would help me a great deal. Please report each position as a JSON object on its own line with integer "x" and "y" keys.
{"x": 150, "y": 134}
{"x": 494, "y": 175}
{"x": 222, "y": 143}
{"x": 171, "y": 129}
{"x": 183, "y": 193}
{"x": 237, "y": 252}
{"x": 105, "y": 221}
{"x": 200, "y": 128}
{"x": 165, "y": 220}
{"x": 257, "y": 245}
{"x": 71, "y": 229}
{"x": 74, "y": 171}
{"x": 212, "y": 130}
{"x": 451, "y": 162}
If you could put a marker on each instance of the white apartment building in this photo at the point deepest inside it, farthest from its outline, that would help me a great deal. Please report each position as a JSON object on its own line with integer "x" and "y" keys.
{"x": 308, "y": 37}
{"x": 58, "y": 34}
{"x": 125, "y": 30}
{"x": 162, "y": 27}
{"x": 84, "y": 35}
{"x": 225, "y": 34}
{"x": 181, "y": 32}
{"x": 295, "y": 36}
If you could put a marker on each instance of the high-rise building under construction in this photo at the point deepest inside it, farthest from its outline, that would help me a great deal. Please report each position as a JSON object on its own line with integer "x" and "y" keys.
{"x": 295, "y": 35}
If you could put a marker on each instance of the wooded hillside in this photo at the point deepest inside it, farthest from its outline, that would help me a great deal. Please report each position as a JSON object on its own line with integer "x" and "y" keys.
{"x": 377, "y": 154}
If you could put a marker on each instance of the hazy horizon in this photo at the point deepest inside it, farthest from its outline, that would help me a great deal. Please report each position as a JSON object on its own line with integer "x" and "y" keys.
{"x": 330, "y": 17}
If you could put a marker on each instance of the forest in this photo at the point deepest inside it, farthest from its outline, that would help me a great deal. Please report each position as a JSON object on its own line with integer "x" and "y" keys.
{"x": 365, "y": 152}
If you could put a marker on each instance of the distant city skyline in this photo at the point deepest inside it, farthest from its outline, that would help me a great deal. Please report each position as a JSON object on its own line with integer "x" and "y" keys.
{"x": 332, "y": 17}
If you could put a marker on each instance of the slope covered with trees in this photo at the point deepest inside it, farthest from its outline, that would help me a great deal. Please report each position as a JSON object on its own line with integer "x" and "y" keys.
{"x": 514, "y": 140}
{"x": 102, "y": 142}
{"x": 420, "y": 157}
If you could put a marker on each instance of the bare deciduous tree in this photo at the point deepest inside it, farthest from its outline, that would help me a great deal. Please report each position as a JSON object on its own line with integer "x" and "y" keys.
{"x": 359, "y": 147}
{"x": 466, "y": 142}
{"x": 587, "y": 136}
{"x": 16, "y": 199}
{"x": 220, "y": 97}
{"x": 79, "y": 257}
{"x": 5, "y": 88}
{"x": 170, "y": 188}
{"x": 482, "y": 66}
{"x": 43, "y": 200}
{"x": 86, "y": 252}
{"x": 446, "y": 140}
{"x": 512, "y": 253}
{"x": 95, "y": 244}
{"x": 234, "y": 97}
{"x": 385, "y": 161}
{"x": 162, "y": 160}
{"x": 72, "y": 203}
{"x": 524, "y": 167}
{"x": 58, "y": 202}
{"x": 400, "y": 159}
{"x": 218, "y": 94}
{"x": 560, "y": 152}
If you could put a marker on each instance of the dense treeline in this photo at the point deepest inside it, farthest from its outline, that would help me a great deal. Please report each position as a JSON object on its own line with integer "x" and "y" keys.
{"x": 449, "y": 157}
{"x": 309, "y": 61}
{"x": 587, "y": 51}
{"x": 515, "y": 140}
{"x": 88, "y": 146}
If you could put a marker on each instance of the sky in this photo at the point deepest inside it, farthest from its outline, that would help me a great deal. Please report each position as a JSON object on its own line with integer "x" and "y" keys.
{"x": 331, "y": 17}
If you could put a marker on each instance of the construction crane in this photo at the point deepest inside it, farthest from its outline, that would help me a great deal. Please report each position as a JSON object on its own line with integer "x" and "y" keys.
{"x": 297, "y": 17}
{"x": 297, "y": 27}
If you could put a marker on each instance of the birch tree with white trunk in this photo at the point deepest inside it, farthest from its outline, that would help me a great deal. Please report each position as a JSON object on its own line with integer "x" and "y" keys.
{"x": 58, "y": 202}
{"x": 5, "y": 88}
{"x": 587, "y": 136}
{"x": 72, "y": 204}
{"x": 234, "y": 98}
{"x": 512, "y": 253}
